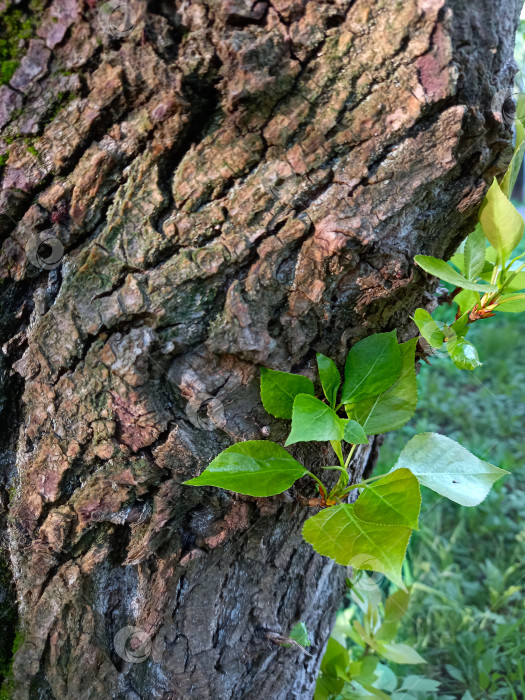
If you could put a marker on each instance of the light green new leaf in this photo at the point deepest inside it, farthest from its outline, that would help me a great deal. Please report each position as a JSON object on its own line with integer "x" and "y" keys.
{"x": 428, "y": 328}
{"x": 279, "y": 389}
{"x": 372, "y": 366}
{"x": 330, "y": 378}
{"x": 396, "y": 606}
{"x": 441, "y": 269}
{"x": 395, "y": 499}
{"x": 354, "y": 433}
{"x": 396, "y": 406}
{"x": 502, "y": 224}
{"x": 314, "y": 420}
{"x": 474, "y": 253}
{"x": 463, "y": 354}
{"x": 400, "y": 653}
{"x": 458, "y": 259}
{"x": 517, "y": 283}
{"x": 254, "y": 468}
{"x": 446, "y": 467}
{"x": 299, "y": 634}
{"x": 467, "y": 300}
{"x": 508, "y": 182}
{"x": 460, "y": 327}
{"x": 339, "y": 534}
{"x": 511, "y": 303}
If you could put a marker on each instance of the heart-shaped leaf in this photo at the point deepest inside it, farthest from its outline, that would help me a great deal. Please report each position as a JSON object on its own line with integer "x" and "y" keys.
{"x": 395, "y": 499}
{"x": 446, "y": 467}
{"x": 372, "y": 366}
{"x": 396, "y": 406}
{"x": 254, "y": 468}
{"x": 330, "y": 378}
{"x": 339, "y": 534}
{"x": 441, "y": 269}
{"x": 314, "y": 420}
{"x": 279, "y": 389}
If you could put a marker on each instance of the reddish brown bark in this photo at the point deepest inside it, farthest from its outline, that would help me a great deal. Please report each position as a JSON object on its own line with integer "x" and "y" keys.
{"x": 233, "y": 183}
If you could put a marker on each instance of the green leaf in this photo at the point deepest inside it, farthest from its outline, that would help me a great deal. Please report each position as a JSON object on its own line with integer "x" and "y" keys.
{"x": 463, "y": 354}
{"x": 400, "y": 653}
{"x": 314, "y": 420}
{"x": 460, "y": 327}
{"x": 254, "y": 468}
{"x": 330, "y": 378}
{"x": 354, "y": 433}
{"x": 335, "y": 659}
{"x": 372, "y": 366}
{"x": 279, "y": 389}
{"x": 475, "y": 253}
{"x": 458, "y": 260}
{"x": 339, "y": 534}
{"x": 299, "y": 634}
{"x": 502, "y": 223}
{"x": 517, "y": 283}
{"x": 446, "y": 467}
{"x": 507, "y": 185}
{"x": 396, "y": 406}
{"x": 511, "y": 303}
{"x": 396, "y": 606}
{"x": 441, "y": 269}
{"x": 428, "y": 328}
{"x": 395, "y": 499}
{"x": 420, "y": 684}
{"x": 467, "y": 300}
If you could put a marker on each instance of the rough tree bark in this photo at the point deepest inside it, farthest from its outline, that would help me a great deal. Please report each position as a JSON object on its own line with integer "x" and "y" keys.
{"x": 234, "y": 183}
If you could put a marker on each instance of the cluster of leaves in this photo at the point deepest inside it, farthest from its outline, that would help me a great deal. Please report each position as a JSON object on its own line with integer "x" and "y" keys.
{"x": 486, "y": 279}
{"x": 356, "y": 671}
{"x": 379, "y": 393}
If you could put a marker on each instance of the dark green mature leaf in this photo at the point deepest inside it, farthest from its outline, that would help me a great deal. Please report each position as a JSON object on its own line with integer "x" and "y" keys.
{"x": 446, "y": 467}
{"x": 511, "y": 303}
{"x": 354, "y": 433}
{"x": 441, "y": 269}
{"x": 474, "y": 253}
{"x": 463, "y": 354}
{"x": 502, "y": 224}
{"x": 339, "y": 534}
{"x": 395, "y": 499}
{"x": 396, "y": 406}
{"x": 314, "y": 420}
{"x": 330, "y": 378}
{"x": 372, "y": 366}
{"x": 279, "y": 389}
{"x": 254, "y": 468}
{"x": 428, "y": 328}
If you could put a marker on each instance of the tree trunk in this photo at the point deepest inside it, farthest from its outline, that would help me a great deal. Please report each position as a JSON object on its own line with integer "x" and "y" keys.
{"x": 190, "y": 191}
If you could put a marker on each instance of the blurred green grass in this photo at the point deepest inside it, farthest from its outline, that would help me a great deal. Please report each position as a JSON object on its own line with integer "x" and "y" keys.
{"x": 467, "y": 565}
